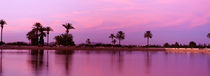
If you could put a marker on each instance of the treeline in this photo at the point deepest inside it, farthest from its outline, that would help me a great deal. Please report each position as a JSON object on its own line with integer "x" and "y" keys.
{"x": 37, "y": 34}
{"x": 166, "y": 45}
{"x": 191, "y": 44}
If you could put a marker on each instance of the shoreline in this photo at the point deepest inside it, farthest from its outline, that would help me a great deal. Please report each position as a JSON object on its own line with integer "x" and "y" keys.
{"x": 82, "y": 48}
{"x": 173, "y": 50}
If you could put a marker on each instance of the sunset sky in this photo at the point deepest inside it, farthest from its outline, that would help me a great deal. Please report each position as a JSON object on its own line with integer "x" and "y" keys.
{"x": 168, "y": 20}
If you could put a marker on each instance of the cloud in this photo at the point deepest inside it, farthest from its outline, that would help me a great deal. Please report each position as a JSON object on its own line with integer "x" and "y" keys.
{"x": 106, "y": 15}
{"x": 133, "y": 13}
{"x": 119, "y": 14}
{"x": 17, "y": 25}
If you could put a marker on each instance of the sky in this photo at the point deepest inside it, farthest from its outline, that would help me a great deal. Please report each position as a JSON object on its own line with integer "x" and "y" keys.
{"x": 169, "y": 20}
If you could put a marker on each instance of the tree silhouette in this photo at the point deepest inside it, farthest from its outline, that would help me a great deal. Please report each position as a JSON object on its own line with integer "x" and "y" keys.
{"x": 36, "y": 60}
{"x": 112, "y": 37}
{"x": 64, "y": 39}
{"x": 166, "y": 45}
{"x": 2, "y": 23}
{"x": 208, "y": 35}
{"x": 37, "y": 34}
{"x": 32, "y": 37}
{"x": 176, "y": 45}
{"x": 42, "y": 34}
{"x": 36, "y": 28}
{"x": 192, "y": 44}
{"x": 114, "y": 41}
{"x": 88, "y": 41}
{"x": 120, "y": 36}
{"x": 148, "y": 35}
{"x": 48, "y": 29}
{"x": 68, "y": 26}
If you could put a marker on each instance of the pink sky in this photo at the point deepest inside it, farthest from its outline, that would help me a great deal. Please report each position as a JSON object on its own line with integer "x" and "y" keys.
{"x": 169, "y": 20}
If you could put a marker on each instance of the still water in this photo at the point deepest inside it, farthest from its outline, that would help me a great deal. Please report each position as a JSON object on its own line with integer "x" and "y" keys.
{"x": 102, "y": 63}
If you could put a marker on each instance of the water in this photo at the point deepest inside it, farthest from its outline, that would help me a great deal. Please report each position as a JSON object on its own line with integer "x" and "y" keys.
{"x": 102, "y": 63}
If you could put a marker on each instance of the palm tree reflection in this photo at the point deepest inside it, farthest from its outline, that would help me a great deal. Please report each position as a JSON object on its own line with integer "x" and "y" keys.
{"x": 209, "y": 65}
{"x": 112, "y": 58}
{"x": 67, "y": 54}
{"x": 148, "y": 62}
{"x": 36, "y": 60}
{"x": 120, "y": 61}
{"x": 117, "y": 60}
{"x": 1, "y": 68}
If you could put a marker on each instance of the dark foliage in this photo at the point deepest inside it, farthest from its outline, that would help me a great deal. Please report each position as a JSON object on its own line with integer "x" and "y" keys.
{"x": 106, "y": 45}
{"x": 112, "y": 36}
{"x": 208, "y": 35}
{"x": 31, "y": 35}
{"x": 41, "y": 35}
{"x": 2, "y": 43}
{"x": 17, "y": 43}
{"x": 166, "y": 45}
{"x": 37, "y": 34}
{"x": 153, "y": 46}
{"x": 2, "y": 23}
{"x": 120, "y": 36}
{"x": 176, "y": 45}
{"x": 192, "y": 44}
{"x": 148, "y": 35}
{"x": 65, "y": 40}
{"x": 88, "y": 42}
{"x": 208, "y": 46}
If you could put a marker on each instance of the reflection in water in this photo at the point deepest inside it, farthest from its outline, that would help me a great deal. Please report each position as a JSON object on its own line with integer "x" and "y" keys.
{"x": 36, "y": 60}
{"x": 102, "y": 63}
{"x": 47, "y": 65}
{"x": 120, "y": 61}
{"x": 148, "y": 62}
{"x": 118, "y": 57}
{"x": 38, "y": 64}
{"x": 1, "y": 66}
{"x": 208, "y": 65}
{"x": 112, "y": 58}
{"x": 66, "y": 58}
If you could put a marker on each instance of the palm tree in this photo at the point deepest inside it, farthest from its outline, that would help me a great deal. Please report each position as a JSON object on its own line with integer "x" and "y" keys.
{"x": 112, "y": 37}
{"x": 48, "y": 29}
{"x": 31, "y": 35}
{"x": 114, "y": 41}
{"x": 88, "y": 41}
{"x": 208, "y": 35}
{"x": 42, "y": 34}
{"x": 120, "y": 36}
{"x": 36, "y": 28}
{"x": 192, "y": 44}
{"x": 64, "y": 39}
{"x": 68, "y": 26}
{"x": 2, "y": 23}
{"x": 148, "y": 35}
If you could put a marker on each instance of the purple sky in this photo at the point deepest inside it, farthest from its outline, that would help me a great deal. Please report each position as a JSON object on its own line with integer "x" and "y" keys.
{"x": 169, "y": 20}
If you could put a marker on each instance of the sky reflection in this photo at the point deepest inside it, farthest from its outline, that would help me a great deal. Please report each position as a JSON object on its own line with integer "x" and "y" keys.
{"x": 102, "y": 63}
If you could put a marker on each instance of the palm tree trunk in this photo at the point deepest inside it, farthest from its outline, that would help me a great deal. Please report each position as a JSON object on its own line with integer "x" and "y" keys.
{"x": 147, "y": 41}
{"x": 66, "y": 38}
{"x": 119, "y": 42}
{"x": 47, "y": 39}
{"x": 37, "y": 37}
{"x": 1, "y": 33}
{"x": 112, "y": 41}
{"x": 1, "y": 62}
